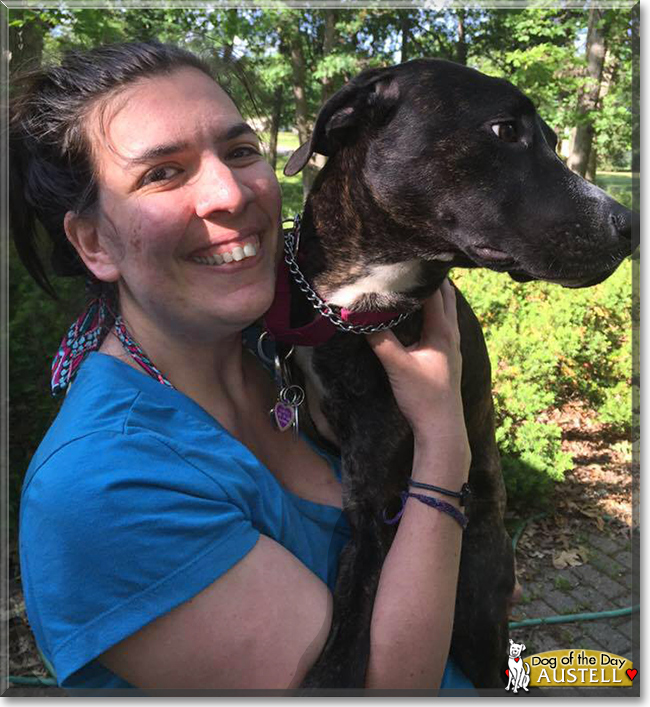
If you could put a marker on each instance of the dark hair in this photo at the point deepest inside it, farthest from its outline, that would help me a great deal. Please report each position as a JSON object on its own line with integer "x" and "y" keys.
{"x": 50, "y": 158}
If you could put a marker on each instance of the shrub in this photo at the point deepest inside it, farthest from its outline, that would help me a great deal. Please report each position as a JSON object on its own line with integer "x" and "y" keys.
{"x": 549, "y": 346}
{"x": 36, "y": 326}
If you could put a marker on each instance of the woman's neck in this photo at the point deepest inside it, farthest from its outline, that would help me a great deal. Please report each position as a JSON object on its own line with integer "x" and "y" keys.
{"x": 212, "y": 372}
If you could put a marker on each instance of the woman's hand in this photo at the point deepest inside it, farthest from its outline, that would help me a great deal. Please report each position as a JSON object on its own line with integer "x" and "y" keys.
{"x": 425, "y": 377}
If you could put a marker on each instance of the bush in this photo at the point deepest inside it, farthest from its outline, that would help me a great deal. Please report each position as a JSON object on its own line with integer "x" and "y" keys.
{"x": 36, "y": 326}
{"x": 549, "y": 346}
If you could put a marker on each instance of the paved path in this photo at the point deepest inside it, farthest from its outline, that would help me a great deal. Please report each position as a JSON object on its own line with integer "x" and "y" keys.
{"x": 605, "y": 582}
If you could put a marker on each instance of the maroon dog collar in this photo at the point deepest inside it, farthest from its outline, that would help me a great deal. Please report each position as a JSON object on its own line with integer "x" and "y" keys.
{"x": 327, "y": 321}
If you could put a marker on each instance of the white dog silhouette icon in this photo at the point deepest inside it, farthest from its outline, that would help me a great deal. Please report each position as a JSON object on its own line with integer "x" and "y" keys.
{"x": 518, "y": 671}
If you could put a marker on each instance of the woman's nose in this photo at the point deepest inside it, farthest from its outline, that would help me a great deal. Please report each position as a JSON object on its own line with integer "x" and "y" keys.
{"x": 221, "y": 189}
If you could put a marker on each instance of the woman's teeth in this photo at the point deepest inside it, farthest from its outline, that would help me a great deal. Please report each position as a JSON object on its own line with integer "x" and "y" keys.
{"x": 237, "y": 253}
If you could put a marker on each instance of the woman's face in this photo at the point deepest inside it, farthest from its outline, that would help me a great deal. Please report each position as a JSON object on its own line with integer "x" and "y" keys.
{"x": 189, "y": 210}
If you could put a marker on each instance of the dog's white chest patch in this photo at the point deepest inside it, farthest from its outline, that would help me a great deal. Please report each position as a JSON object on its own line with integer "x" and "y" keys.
{"x": 380, "y": 280}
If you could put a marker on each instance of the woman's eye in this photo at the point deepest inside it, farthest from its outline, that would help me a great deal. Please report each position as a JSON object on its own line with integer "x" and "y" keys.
{"x": 243, "y": 151}
{"x": 506, "y": 131}
{"x": 159, "y": 174}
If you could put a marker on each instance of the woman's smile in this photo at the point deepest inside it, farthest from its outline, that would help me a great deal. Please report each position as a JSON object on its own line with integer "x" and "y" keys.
{"x": 236, "y": 250}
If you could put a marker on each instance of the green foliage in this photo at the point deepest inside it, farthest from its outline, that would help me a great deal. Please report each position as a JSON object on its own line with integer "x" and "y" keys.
{"x": 36, "y": 326}
{"x": 550, "y": 346}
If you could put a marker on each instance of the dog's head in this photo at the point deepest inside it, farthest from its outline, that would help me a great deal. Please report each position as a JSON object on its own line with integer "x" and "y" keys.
{"x": 464, "y": 163}
{"x": 516, "y": 649}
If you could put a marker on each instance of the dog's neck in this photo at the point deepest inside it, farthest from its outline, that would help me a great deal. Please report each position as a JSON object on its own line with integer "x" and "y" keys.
{"x": 353, "y": 252}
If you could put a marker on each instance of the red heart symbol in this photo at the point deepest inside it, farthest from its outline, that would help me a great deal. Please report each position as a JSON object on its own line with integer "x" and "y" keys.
{"x": 507, "y": 673}
{"x": 631, "y": 673}
{"x": 516, "y": 660}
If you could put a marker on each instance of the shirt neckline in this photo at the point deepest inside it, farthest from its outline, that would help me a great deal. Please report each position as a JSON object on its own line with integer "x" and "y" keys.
{"x": 182, "y": 401}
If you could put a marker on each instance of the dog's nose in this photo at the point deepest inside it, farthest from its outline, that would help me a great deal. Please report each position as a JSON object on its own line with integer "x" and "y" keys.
{"x": 625, "y": 224}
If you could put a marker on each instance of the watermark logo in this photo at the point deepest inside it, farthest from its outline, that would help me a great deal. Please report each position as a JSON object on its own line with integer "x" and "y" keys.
{"x": 567, "y": 668}
{"x": 518, "y": 671}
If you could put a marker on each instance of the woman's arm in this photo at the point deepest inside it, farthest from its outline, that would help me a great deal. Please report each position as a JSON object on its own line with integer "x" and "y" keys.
{"x": 259, "y": 626}
{"x": 414, "y": 607}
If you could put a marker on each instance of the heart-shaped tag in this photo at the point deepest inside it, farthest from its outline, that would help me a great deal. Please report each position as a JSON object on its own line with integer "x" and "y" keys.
{"x": 516, "y": 660}
{"x": 284, "y": 416}
{"x": 631, "y": 673}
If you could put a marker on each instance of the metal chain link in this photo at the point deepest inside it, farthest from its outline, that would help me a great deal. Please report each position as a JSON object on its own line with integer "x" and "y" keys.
{"x": 291, "y": 241}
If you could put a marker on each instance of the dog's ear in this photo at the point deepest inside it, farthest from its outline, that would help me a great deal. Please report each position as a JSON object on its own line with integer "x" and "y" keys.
{"x": 373, "y": 89}
{"x": 511, "y": 641}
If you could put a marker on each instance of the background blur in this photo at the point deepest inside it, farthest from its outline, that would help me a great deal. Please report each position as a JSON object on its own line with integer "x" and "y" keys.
{"x": 562, "y": 359}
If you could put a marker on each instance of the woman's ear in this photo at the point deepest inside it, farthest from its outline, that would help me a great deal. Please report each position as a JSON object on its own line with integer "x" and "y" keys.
{"x": 83, "y": 234}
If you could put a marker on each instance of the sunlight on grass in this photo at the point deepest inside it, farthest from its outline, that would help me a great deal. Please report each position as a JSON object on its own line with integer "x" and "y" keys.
{"x": 291, "y": 189}
{"x": 619, "y": 185}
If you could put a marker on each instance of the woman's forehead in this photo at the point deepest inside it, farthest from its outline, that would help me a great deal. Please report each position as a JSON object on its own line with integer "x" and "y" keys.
{"x": 177, "y": 107}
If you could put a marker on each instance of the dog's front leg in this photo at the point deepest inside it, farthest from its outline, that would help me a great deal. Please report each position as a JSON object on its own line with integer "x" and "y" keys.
{"x": 486, "y": 578}
{"x": 344, "y": 659}
{"x": 361, "y": 409}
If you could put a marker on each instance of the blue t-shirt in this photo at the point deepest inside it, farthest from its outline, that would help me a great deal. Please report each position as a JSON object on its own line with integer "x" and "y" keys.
{"x": 136, "y": 500}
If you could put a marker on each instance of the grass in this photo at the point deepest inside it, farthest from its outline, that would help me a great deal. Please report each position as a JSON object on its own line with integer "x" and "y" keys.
{"x": 286, "y": 140}
{"x": 620, "y": 186}
{"x": 562, "y": 584}
{"x": 291, "y": 189}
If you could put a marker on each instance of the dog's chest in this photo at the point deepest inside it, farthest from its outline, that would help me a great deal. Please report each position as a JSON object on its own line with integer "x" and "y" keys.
{"x": 316, "y": 392}
{"x": 377, "y": 281}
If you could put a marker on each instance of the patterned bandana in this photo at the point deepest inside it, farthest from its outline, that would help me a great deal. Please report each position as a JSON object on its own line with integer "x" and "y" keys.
{"x": 86, "y": 335}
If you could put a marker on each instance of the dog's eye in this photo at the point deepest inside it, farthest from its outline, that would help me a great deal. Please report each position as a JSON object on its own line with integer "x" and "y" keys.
{"x": 506, "y": 131}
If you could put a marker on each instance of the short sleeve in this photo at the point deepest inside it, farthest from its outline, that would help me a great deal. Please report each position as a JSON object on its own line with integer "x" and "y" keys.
{"x": 115, "y": 531}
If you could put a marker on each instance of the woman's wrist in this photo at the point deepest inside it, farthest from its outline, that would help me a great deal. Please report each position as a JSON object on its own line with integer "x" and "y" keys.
{"x": 442, "y": 460}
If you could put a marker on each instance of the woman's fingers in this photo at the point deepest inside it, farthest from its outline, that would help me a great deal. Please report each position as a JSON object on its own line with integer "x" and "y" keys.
{"x": 449, "y": 299}
{"x": 386, "y": 347}
{"x": 440, "y": 315}
{"x": 439, "y": 318}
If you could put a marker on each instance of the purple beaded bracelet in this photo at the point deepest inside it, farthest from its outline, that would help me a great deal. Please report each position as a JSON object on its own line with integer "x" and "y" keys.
{"x": 436, "y": 503}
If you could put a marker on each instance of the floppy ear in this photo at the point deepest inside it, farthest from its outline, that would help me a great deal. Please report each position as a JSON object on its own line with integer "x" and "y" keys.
{"x": 374, "y": 89}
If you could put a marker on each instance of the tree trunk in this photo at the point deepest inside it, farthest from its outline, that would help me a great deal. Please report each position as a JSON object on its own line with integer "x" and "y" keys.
{"x": 588, "y": 100}
{"x": 26, "y": 41}
{"x": 329, "y": 39}
{"x": 298, "y": 71}
{"x": 590, "y": 173}
{"x": 327, "y": 83}
{"x": 636, "y": 92}
{"x": 276, "y": 116}
{"x": 461, "y": 44}
{"x": 406, "y": 36}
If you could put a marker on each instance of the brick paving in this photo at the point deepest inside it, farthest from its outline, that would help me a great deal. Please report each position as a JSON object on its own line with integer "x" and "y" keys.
{"x": 608, "y": 580}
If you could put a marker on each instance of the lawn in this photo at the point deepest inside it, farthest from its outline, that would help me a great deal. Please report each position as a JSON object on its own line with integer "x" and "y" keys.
{"x": 621, "y": 186}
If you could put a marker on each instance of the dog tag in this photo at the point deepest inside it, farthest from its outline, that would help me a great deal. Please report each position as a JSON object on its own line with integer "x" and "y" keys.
{"x": 283, "y": 416}
{"x": 285, "y": 411}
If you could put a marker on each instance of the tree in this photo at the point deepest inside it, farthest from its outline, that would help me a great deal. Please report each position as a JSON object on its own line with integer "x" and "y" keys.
{"x": 579, "y": 159}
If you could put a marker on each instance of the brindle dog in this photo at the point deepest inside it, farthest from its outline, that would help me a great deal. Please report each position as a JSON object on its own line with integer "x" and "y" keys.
{"x": 432, "y": 165}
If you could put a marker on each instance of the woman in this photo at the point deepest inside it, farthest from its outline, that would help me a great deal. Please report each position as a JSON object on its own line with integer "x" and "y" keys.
{"x": 169, "y": 535}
